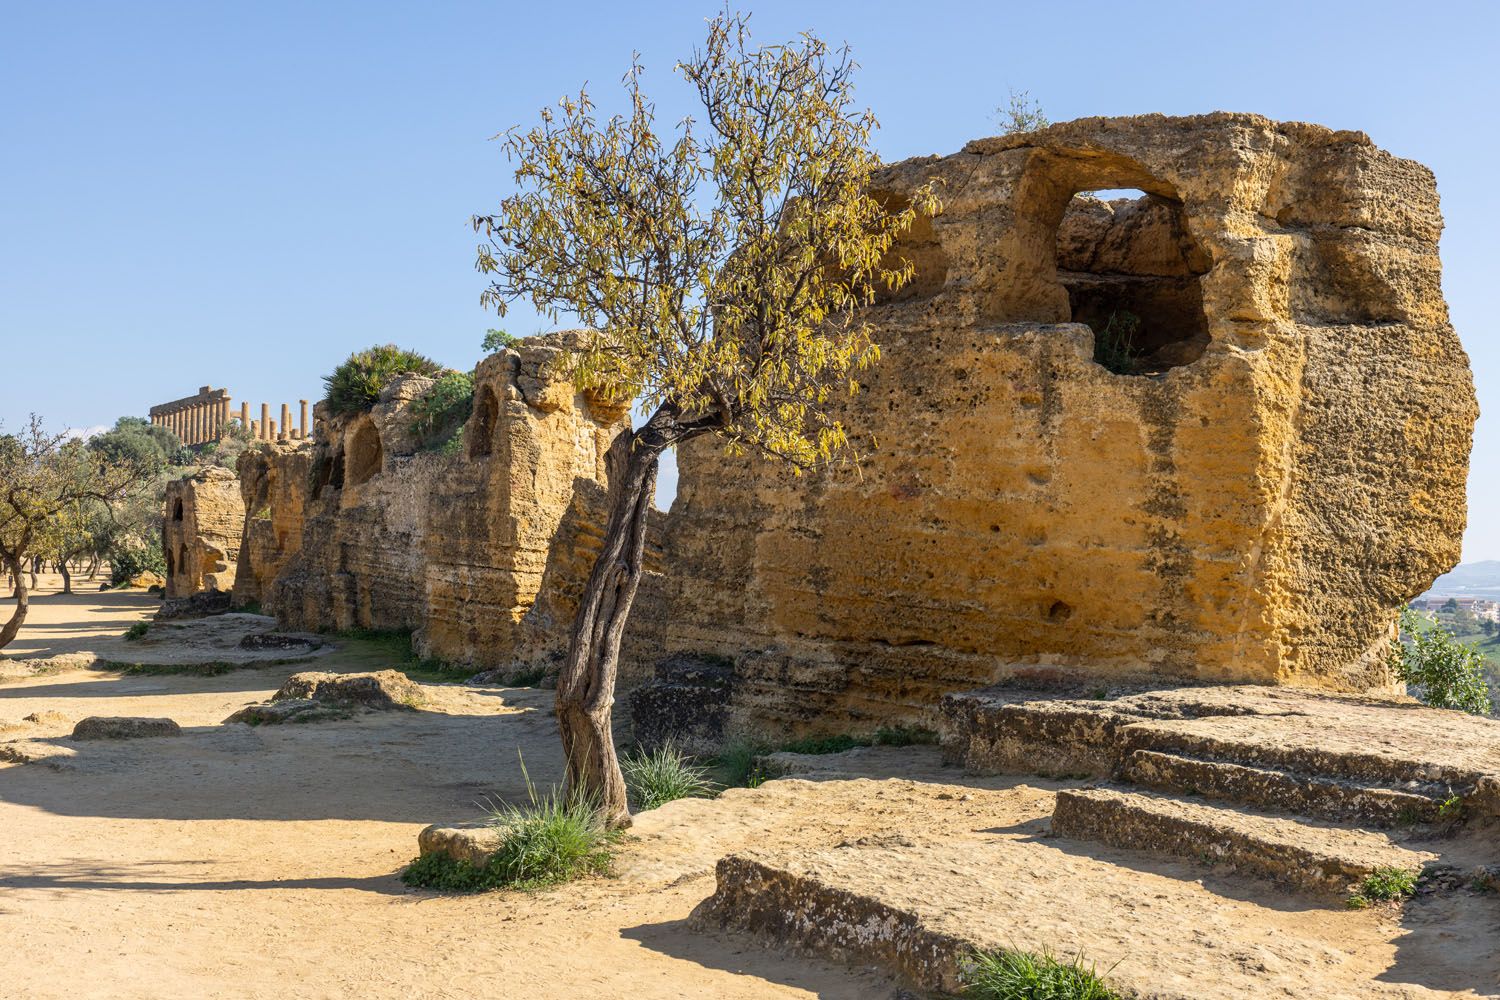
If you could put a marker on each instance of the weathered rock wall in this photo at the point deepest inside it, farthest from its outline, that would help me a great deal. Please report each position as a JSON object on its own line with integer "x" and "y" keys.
{"x": 1273, "y": 460}
{"x": 201, "y": 532}
{"x": 363, "y": 530}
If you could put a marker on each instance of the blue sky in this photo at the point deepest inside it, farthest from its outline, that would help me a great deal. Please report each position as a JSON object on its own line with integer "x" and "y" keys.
{"x": 240, "y": 194}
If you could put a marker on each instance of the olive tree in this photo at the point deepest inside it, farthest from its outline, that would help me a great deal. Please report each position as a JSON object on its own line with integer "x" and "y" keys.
{"x": 722, "y": 268}
{"x": 43, "y": 480}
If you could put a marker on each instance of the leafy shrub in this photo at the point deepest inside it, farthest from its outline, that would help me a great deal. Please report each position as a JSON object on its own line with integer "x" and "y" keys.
{"x": 137, "y": 630}
{"x": 1023, "y": 114}
{"x": 549, "y": 840}
{"x": 1445, "y": 672}
{"x": 1022, "y": 975}
{"x": 1383, "y": 885}
{"x": 355, "y": 385}
{"x": 663, "y": 776}
{"x": 128, "y": 561}
{"x": 439, "y": 413}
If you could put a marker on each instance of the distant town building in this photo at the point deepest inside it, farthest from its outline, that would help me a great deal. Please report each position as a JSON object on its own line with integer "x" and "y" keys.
{"x": 1480, "y": 607}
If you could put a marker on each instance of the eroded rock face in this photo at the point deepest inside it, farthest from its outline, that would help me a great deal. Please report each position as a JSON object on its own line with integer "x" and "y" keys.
{"x": 363, "y": 530}
{"x": 204, "y": 521}
{"x": 1271, "y": 461}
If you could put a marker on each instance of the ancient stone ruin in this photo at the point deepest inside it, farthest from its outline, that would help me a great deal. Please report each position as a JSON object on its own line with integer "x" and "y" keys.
{"x": 201, "y": 530}
{"x": 363, "y": 530}
{"x": 197, "y": 419}
{"x": 204, "y": 418}
{"x": 1217, "y": 430}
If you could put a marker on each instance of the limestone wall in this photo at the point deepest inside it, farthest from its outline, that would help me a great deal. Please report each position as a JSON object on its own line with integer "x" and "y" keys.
{"x": 363, "y": 530}
{"x": 201, "y": 532}
{"x": 1273, "y": 466}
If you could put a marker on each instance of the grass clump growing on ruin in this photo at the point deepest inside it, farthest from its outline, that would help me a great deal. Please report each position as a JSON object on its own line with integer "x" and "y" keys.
{"x": 664, "y": 775}
{"x": 738, "y": 764}
{"x": 354, "y": 386}
{"x": 1024, "y": 975}
{"x": 549, "y": 840}
{"x": 1383, "y": 885}
{"x": 1114, "y": 345}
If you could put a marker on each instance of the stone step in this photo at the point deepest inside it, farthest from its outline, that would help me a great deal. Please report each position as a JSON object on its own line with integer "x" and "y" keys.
{"x": 1388, "y": 749}
{"x": 917, "y": 909}
{"x": 1263, "y": 787}
{"x": 1313, "y": 856}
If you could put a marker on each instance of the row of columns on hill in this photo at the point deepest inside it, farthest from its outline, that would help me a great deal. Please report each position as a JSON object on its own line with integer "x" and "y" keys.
{"x": 264, "y": 429}
{"x": 201, "y": 419}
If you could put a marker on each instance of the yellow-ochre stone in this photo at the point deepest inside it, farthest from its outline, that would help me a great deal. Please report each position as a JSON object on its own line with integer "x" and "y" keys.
{"x": 1281, "y": 464}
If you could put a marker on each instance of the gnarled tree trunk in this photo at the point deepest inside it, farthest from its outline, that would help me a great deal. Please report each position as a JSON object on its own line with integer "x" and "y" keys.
{"x": 67, "y": 576}
{"x": 586, "y": 687}
{"x": 9, "y": 630}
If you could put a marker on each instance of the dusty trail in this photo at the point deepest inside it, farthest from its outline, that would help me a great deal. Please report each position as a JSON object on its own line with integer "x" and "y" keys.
{"x": 261, "y": 862}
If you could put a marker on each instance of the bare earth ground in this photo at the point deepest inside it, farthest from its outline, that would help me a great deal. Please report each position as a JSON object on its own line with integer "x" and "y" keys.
{"x": 261, "y": 862}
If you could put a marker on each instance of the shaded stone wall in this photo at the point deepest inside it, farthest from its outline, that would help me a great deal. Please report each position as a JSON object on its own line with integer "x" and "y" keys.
{"x": 1274, "y": 463}
{"x": 201, "y": 532}
{"x": 363, "y": 530}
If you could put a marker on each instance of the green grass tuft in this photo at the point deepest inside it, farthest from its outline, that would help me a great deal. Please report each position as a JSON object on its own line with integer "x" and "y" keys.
{"x": 549, "y": 840}
{"x": 1383, "y": 885}
{"x": 738, "y": 764}
{"x": 1021, "y": 975}
{"x": 137, "y": 630}
{"x": 663, "y": 776}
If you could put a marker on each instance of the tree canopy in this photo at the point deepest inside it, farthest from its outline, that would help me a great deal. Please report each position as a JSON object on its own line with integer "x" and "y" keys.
{"x": 723, "y": 269}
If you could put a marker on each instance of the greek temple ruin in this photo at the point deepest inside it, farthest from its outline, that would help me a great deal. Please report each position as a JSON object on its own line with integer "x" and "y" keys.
{"x": 202, "y": 418}
{"x": 1214, "y": 431}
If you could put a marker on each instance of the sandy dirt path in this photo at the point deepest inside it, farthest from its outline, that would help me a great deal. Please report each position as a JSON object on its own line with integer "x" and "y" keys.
{"x": 239, "y": 861}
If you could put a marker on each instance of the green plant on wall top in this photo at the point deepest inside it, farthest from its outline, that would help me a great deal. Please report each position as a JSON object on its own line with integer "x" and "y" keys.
{"x": 438, "y": 414}
{"x": 355, "y": 384}
{"x": 496, "y": 340}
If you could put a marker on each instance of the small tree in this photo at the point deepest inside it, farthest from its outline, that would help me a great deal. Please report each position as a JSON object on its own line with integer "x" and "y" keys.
{"x": 1445, "y": 672}
{"x": 495, "y": 340}
{"x": 43, "y": 478}
{"x": 724, "y": 274}
{"x": 1022, "y": 114}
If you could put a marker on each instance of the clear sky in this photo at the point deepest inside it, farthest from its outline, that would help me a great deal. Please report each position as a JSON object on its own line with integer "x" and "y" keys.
{"x": 240, "y": 194}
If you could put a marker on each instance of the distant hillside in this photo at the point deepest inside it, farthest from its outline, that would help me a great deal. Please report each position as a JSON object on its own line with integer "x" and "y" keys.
{"x": 1476, "y": 579}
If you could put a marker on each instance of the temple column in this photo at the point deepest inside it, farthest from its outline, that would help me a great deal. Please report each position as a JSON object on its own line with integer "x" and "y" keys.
{"x": 265, "y": 421}
{"x": 255, "y": 429}
{"x": 271, "y": 436}
{"x": 245, "y": 416}
{"x": 302, "y": 423}
{"x": 226, "y": 414}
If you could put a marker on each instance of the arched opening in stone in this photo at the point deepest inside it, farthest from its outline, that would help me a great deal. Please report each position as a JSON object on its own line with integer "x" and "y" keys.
{"x": 171, "y": 565}
{"x": 918, "y": 246}
{"x": 182, "y": 559}
{"x": 177, "y": 509}
{"x": 1134, "y": 274}
{"x": 365, "y": 454}
{"x": 486, "y": 413}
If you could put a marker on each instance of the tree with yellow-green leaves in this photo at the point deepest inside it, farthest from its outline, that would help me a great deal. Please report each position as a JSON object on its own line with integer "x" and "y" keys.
{"x": 724, "y": 268}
